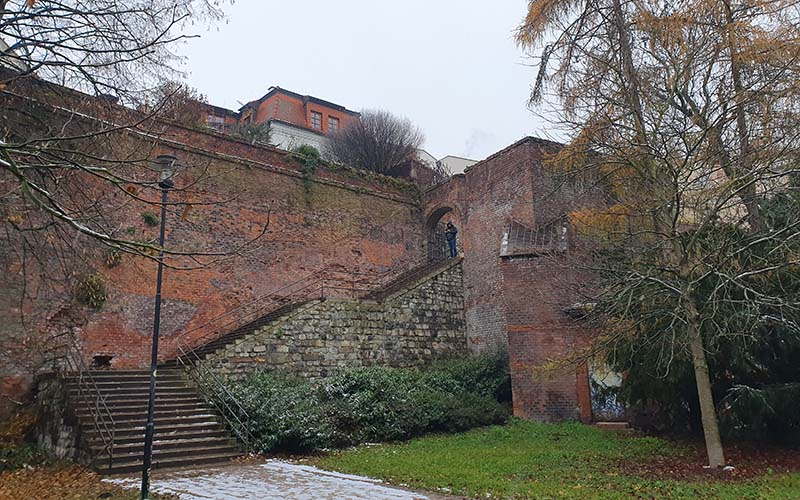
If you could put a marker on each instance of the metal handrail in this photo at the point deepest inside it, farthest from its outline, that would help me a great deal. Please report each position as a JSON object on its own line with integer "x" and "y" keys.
{"x": 209, "y": 383}
{"x": 551, "y": 236}
{"x": 102, "y": 419}
{"x": 227, "y": 411}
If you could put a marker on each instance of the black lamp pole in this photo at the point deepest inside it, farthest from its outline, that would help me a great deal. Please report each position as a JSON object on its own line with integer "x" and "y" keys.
{"x": 166, "y": 163}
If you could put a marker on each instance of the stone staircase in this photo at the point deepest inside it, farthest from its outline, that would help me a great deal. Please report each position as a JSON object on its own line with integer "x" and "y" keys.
{"x": 230, "y": 337}
{"x": 187, "y": 430}
{"x": 406, "y": 278}
{"x": 398, "y": 283}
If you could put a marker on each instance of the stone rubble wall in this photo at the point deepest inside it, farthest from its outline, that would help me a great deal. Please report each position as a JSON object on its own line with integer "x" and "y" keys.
{"x": 57, "y": 429}
{"x": 412, "y": 327}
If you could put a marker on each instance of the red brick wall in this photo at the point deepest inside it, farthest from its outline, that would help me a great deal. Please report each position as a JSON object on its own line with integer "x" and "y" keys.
{"x": 288, "y": 108}
{"x": 485, "y": 199}
{"x": 282, "y": 107}
{"x": 536, "y": 292}
{"x": 334, "y": 218}
{"x": 309, "y": 230}
{"x": 516, "y": 304}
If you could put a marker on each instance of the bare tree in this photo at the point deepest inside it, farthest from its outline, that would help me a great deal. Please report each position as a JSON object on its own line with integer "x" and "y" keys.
{"x": 123, "y": 48}
{"x": 178, "y": 102}
{"x": 76, "y": 157}
{"x": 379, "y": 141}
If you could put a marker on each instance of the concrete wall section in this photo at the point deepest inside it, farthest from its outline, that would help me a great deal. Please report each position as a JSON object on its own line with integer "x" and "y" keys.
{"x": 289, "y": 137}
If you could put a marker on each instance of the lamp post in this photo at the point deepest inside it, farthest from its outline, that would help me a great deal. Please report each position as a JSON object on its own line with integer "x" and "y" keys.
{"x": 166, "y": 164}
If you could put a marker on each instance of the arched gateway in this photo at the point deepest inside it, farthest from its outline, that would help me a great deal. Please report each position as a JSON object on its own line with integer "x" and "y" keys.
{"x": 435, "y": 232}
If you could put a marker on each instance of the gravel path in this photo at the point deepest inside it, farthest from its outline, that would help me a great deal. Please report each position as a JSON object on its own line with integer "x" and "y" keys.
{"x": 273, "y": 480}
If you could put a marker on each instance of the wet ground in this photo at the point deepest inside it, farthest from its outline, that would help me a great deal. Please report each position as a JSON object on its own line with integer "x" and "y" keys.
{"x": 272, "y": 480}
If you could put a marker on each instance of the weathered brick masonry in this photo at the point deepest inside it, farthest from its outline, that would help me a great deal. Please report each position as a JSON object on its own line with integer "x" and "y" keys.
{"x": 516, "y": 303}
{"x": 335, "y": 217}
{"x": 414, "y": 326}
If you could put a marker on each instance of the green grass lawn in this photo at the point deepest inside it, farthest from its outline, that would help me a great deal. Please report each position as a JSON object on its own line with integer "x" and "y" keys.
{"x": 541, "y": 461}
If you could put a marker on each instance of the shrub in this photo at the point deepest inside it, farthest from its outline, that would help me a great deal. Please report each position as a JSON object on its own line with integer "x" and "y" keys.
{"x": 150, "y": 218}
{"x": 254, "y": 133}
{"x": 284, "y": 413}
{"x": 16, "y": 429}
{"x": 113, "y": 258}
{"x": 374, "y": 404}
{"x": 310, "y": 157}
{"x": 18, "y": 457}
{"x": 467, "y": 410}
{"x": 91, "y": 291}
{"x": 488, "y": 375}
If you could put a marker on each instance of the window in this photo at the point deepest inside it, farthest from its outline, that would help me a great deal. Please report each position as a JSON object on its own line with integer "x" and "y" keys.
{"x": 316, "y": 120}
{"x": 215, "y": 122}
{"x": 333, "y": 124}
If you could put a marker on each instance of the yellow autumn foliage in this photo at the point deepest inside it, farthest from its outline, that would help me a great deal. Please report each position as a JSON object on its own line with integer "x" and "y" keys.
{"x": 606, "y": 223}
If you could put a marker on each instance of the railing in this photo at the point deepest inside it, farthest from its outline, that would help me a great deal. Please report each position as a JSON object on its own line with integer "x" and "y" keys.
{"x": 67, "y": 360}
{"x": 211, "y": 386}
{"x": 519, "y": 239}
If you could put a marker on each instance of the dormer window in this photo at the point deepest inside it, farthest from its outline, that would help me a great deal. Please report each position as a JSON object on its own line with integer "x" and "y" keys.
{"x": 316, "y": 120}
{"x": 333, "y": 124}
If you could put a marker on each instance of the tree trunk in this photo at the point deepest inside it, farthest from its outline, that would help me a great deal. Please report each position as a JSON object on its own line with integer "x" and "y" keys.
{"x": 631, "y": 81}
{"x": 749, "y": 195}
{"x": 708, "y": 413}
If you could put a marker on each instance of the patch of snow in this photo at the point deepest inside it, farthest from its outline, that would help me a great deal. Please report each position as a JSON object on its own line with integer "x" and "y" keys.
{"x": 273, "y": 480}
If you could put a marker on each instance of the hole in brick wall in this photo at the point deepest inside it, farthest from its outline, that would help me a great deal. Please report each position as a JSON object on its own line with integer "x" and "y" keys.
{"x": 101, "y": 361}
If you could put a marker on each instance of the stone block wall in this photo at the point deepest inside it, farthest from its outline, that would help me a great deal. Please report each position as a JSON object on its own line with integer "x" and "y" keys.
{"x": 412, "y": 327}
{"x": 57, "y": 429}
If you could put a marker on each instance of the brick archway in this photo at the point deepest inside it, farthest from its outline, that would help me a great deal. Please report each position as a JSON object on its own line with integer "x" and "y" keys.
{"x": 434, "y": 234}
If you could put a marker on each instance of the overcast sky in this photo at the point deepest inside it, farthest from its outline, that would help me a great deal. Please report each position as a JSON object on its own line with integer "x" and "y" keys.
{"x": 450, "y": 66}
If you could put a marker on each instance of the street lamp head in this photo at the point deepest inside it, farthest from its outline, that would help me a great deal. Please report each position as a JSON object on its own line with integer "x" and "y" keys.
{"x": 167, "y": 165}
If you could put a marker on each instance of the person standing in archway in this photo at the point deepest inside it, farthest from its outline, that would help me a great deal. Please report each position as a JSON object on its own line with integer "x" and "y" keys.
{"x": 450, "y": 235}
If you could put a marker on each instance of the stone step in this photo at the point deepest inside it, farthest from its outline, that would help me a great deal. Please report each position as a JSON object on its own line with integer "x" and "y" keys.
{"x": 180, "y": 452}
{"x": 169, "y": 444}
{"x": 141, "y": 397}
{"x": 116, "y": 373}
{"x": 125, "y": 467}
{"x": 161, "y": 430}
{"x": 135, "y": 423}
{"x": 186, "y": 434}
{"x": 134, "y": 404}
{"x": 133, "y": 390}
{"x": 103, "y": 385}
{"x": 172, "y": 373}
{"x": 128, "y": 413}
{"x": 188, "y": 431}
